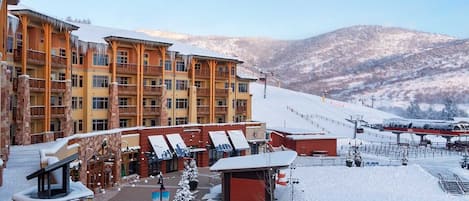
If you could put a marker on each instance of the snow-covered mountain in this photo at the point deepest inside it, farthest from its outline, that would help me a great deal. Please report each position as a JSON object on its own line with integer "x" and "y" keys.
{"x": 393, "y": 65}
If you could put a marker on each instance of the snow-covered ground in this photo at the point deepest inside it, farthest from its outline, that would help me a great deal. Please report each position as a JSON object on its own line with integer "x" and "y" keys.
{"x": 383, "y": 183}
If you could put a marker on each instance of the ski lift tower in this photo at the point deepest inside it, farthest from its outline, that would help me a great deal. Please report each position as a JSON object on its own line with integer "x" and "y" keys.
{"x": 266, "y": 74}
{"x": 354, "y": 153}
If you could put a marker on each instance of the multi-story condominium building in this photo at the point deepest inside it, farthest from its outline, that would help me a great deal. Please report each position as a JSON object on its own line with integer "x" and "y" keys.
{"x": 76, "y": 78}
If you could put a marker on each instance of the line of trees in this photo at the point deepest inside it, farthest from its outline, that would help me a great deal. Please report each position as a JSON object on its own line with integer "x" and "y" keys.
{"x": 449, "y": 111}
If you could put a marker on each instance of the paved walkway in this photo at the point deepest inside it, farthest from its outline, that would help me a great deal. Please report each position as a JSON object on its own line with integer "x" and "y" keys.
{"x": 142, "y": 189}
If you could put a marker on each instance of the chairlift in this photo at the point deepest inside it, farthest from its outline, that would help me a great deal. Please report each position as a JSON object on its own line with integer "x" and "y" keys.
{"x": 360, "y": 130}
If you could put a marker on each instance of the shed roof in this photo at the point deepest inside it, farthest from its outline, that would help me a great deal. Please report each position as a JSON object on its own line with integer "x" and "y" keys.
{"x": 257, "y": 161}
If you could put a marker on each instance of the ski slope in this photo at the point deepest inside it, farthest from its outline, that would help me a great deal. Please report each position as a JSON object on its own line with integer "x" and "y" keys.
{"x": 291, "y": 109}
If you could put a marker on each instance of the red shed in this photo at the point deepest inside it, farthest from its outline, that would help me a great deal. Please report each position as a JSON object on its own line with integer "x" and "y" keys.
{"x": 304, "y": 142}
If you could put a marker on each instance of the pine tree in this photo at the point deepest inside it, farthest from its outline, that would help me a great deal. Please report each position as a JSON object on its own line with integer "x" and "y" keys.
{"x": 451, "y": 110}
{"x": 193, "y": 173}
{"x": 414, "y": 111}
{"x": 183, "y": 193}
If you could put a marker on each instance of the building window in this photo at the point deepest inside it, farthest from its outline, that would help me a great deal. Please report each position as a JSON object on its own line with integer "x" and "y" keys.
{"x": 243, "y": 87}
{"x": 146, "y": 59}
{"x": 74, "y": 58}
{"x": 80, "y": 81}
{"x": 181, "y": 120}
{"x": 254, "y": 149}
{"x": 170, "y": 121}
{"x": 169, "y": 84}
{"x": 123, "y": 80}
{"x": 167, "y": 65}
{"x": 181, "y": 84}
{"x": 100, "y": 102}
{"x": 78, "y": 126}
{"x": 233, "y": 87}
{"x": 77, "y": 102}
{"x": 123, "y": 101}
{"x": 181, "y": 103}
{"x": 180, "y": 66}
{"x": 123, "y": 123}
{"x": 81, "y": 59}
{"x": 233, "y": 71}
{"x": 62, "y": 52}
{"x": 10, "y": 44}
{"x": 122, "y": 57}
{"x": 221, "y": 119}
{"x": 100, "y": 81}
{"x": 74, "y": 80}
{"x": 100, "y": 60}
{"x": 61, "y": 76}
{"x": 197, "y": 66}
{"x": 153, "y": 122}
{"x": 198, "y": 84}
{"x": 99, "y": 124}
{"x": 19, "y": 40}
{"x": 169, "y": 103}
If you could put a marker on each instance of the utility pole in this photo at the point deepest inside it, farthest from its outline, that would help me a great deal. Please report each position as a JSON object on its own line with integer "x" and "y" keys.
{"x": 324, "y": 94}
{"x": 373, "y": 101}
{"x": 265, "y": 81}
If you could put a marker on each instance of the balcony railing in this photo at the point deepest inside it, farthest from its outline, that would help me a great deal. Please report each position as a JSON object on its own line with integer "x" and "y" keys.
{"x": 203, "y": 110}
{"x": 59, "y": 61}
{"x": 126, "y": 68}
{"x": 202, "y": 73}
{"x": 222, "y": 109}
{"x": 221, "y": 92}
{"x": 57, "y": 110}
{"x": 37, "y": 111}
{"x": 152, "y": 70}
{"x": 125, "y": 110}
{"x": 153, "y": 90}
{"x": 58, "y": 86}
{"x": 222, "y": 75}
{"x": 37, "y": 138}
{"x": 241, "y": 109}
{"x": 151, "y": 110}
{"x": 34, "y": 56}
{"x": 36, "y": 84}
{"x": 203, "y": 92}
{"x": 127, "y": 89}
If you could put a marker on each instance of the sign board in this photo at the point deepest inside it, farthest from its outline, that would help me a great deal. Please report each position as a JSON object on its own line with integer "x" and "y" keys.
{"x": 155, "y": 196}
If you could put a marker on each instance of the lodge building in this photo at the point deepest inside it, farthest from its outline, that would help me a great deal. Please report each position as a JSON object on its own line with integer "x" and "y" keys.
{"x": 61, "y": 80}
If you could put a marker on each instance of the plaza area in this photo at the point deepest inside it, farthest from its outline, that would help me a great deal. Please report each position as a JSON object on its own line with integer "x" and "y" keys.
{"x": 133, "y": 189}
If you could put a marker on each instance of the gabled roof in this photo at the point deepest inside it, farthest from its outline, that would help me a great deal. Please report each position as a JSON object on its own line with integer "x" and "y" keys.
{"x": 25, "y": 10}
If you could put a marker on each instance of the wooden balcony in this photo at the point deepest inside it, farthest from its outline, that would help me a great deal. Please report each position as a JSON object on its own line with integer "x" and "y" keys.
{"x": 222, "y": 92}
{"x": 202, "y": 73}
{"x": 37, "y": 138}
{"x": 151, "y": 110}
{"x": 33, "y": 57}
{"x": 153, "y": 90}
{"x": 58, "y": 86}
{"x": 57, "y": 111}
{"x": 203, "y": 92}
{"x": 221, "y": 75}
{"x": 221, "y": 109}
{"x": 127, "y": 68}
{"x": 203, "y": 110}
{"x": 37, "y": 85}
{"x": 127, "y": 110}
{"x": 152, "y": 70}
{"x": 127, "y": 89}
{"x": 59, "y": 61}
{"x": 241, "y": 109}
{"x": 37, "y": 111}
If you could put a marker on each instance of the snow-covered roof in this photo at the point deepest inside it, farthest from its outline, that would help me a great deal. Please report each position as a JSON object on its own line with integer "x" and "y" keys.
{"x": 238, "y": 139}
{"x": 160, "y": 147}
{"x": 99, "y": 34}
{"x": 311, "y": 137}
{"x": 256, "y": 161}
{"x": 175, "y": 140}
{"x": 220, "y": 141}
{"x": 246, "y": 76}
{"x": 56, "y": 22}
{"x": 78, "y": 191}
{"x": 295, "y": 131}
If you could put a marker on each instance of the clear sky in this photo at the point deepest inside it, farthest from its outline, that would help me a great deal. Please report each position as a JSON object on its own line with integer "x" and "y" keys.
{"x": 280, "y": 19}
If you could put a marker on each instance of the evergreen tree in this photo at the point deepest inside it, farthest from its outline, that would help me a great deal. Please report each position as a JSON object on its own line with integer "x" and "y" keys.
{"x": 183, "y": 193}
{"x": 451, "y": 110}
{"x": 193, "y": 173}
{"x": 414, "y": 111}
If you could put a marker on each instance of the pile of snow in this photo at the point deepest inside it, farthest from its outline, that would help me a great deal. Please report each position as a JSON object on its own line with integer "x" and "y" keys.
{"x": 404, "y": 183}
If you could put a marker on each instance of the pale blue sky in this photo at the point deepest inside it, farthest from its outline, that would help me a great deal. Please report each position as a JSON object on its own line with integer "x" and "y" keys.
{"x": 281, "y": 19}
